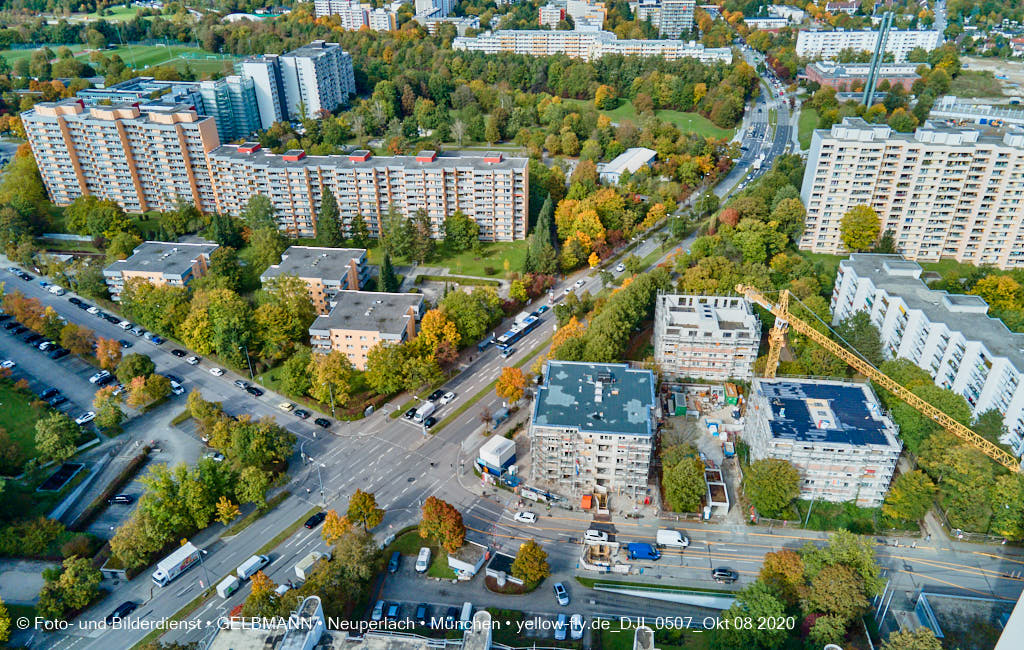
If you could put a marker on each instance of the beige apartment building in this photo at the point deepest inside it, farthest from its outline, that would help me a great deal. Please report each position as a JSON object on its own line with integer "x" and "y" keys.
{"x": 141, "y": 160}
{"x": 358, "y": 320}
{"x": 586, "y": 45}
{"x": 705, "y": 337}
{"x": 489, "y": 188}
{"x": 326, "y": 271}
{"x": 160, "y": 263}
{"x": 944, "y": 192}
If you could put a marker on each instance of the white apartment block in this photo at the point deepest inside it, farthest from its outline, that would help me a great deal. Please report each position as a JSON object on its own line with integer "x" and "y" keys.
{"x": 462, "y": 23}
{"x": 489, "y": 188}
{"x": 766, "y": 23}
{"x": 584, "y": 12}
{"x": 142, "y": 161}
{"x": 793, "y": 14}
{"x": 705, "y": 337}
{"x": 381, "y": 20}
{"x": 317, "y": 77}
{"x": 671, "y": 17}
{"x": 944, "y": 192}
{"x": 550, "y": 16}
{"x": 828, "y": 44}
{"x": 833, "y": 432}
{"x": 265, "y": 72}
{"x": 592, "y": 428}
{"x": 442, "y": 7}
{"x": 354, "y": 16}
{"x": 587, "y": 46}
{"x": 948, "y": 335}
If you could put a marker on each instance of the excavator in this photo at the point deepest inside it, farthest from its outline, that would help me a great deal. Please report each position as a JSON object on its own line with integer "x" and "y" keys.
{"x": 784, "y": 319}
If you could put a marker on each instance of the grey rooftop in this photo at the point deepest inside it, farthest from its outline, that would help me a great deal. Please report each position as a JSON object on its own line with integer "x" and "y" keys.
{"x": 315, "y": 262}
{"x": 171, "y": 258}
{"x": 596, "y": 398}
{"x": 369, "y": 311}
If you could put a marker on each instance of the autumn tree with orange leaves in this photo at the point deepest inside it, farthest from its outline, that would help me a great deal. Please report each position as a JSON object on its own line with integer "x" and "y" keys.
{"x": 444, "y": 523}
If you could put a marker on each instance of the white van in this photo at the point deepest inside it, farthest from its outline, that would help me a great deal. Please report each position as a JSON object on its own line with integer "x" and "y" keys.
{"x": 252, "y": 565}
{"x": 228, "y": 586}
{"x": 466, "y": 619}
{"x": 423, "y": 412}
{"x": 423, "y": 560}
{"x": 672, "y": 538}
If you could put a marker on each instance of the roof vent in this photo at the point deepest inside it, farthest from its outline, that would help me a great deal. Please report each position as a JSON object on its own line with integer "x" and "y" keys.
{"x": 492, "y": 157}
{"x": 359, "y": 155}
{"x": 294, "y": 155}
{"x": 426, "y": 156}
{"x": 249, "y": 147}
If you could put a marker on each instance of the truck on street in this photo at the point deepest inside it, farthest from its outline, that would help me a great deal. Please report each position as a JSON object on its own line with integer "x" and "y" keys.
{"x": 175, "y": 564}
{"x": 304, "y": 567}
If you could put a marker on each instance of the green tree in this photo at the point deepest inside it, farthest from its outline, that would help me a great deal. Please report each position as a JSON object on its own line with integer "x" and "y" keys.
{"x": 837, "y": 590}
{"x": 531, "y": 563}
{"x": 443, "y": 522}
{"x": 56, "y": 435}
{"x": 258, "y": 213}
{"x": 359, "y": 233}
{"x": 121, "y": 245}
{"x": 88, "y": 215}
{"x": 861, "y": 334}
{"x": 853, "y": 551}
{"x": 5, "y": 623}
{"x": 771, "y": 484}
{"x": 252, "y": 486}
{"x": 920, "y": 639}
{"x": 395, "y": 234}
{"x": 460, "y": 232}
{"x": 69, "y": 588}
{"x": 827, "y": 629}
{"x": 384, "y": 368}
{"x": 107, "y": 406}
{"x": 684, "y": 485}
{"x": 910, "y": 496}
{"x": 262, "y": 443}
{"x": 421, "y": 239}
{"x": 859, "y": 228}
{"x": 331, "y": 377}
{"x": 328, "y": 224}
{"x": 1007, "y": 499}
{"x": 134, "y": 365}
{"x": 266, "y": 245}
{"x": 473, "y": 313}
{"x": 783, "y": 572}
{"x": 225, "y": 230}
{"x": 755, "y": 601}
{"x": 226, "y": 510}
{"x": 293, "y": 373}
{"x": 387, "y": 281}
{"x": 363, "y": 510}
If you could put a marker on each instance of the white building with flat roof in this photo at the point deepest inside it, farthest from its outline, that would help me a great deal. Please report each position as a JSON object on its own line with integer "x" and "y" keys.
{"x": 705, "y": 337}
{"x": 943, "y": 192}
{"x": 587, "y": 45}
{"x": 629, "y": 160}
{"x": 949, "y": 335}
{"x": 833, "y": 432}
{"x": 820, "y": 44}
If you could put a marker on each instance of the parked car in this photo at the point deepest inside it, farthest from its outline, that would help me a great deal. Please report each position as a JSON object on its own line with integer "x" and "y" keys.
{"x": 46, "y": 346}
{"x": 725, "y": 575}
{"x": 301, "y": 413}
{"x": 507, "y": 352}
{"x": 394, "y": 562}
{"x": 576, "y": 627}
{"x": 125, "y": 324}
{"x": 214, "y": 456}
{"x": 435, "y": 396}
{"x": 561, "y": 594}
{"x": 393, "y": 611}
{"x": 121, "y": 499}
{"x": 561, "y": 623}
{"x": 423, "y": 614}
{"x": 315, "y": 520}
{"x": 593, "y": 535}
{"x": 192, "y": 361}
{"x": 287, "y": 407}
{"x": 58, "y": 353}
{"x": 255, "y": 392}
{"x": 241, "y": 384}
{"x": 216, "y": 372}
{"x": 429, "y": 422}
{"x": 322, "y": 422}
{"x": 410, "y": 414}
{"x": 526, "y": 517}
{"x": 48, "y": 393}
{"x": 106, "y": 380}
{"x": 542, "y": 309}
{"x": 56, "y": 401}
{"x": 174, "y": 378}
{"x": 580, "y": 282}
{"x": 32, "y": 339}
{"x": 423, "y": 560}
{"x": 178, "y": 353}
{"x": 448, "y": 397}
{"x": 110, "y": 318}
{"x": 156, "y": 340}
{"x": 102, "y": 374}
{"x": 378, "y": 611}
{"x": 86, "y": 417}
{"x": 620, "y": 267}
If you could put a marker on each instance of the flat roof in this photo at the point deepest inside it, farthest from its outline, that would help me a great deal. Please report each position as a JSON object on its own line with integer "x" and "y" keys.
{"x": 315, "y": 262}
{"x": 444, "y": 160}
{"x": 821, "y": 411}
{"x": 595, "y": 397}
{"x": 975, "y": 325}
{"x": 314, "y": 49}
{"x": 369, "y": 311}
{"x": 172, "y": 258}
{"x": 707, "y": 313}
{"x": 630, "y": 160}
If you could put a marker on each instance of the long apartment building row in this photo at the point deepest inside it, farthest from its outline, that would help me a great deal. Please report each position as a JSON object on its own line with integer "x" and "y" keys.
{"x": 942, "y": 191}
{"x": 145, "y": 161}
{"x": 815, "y": 44}
{"x": 586, "y": 45}
{"x": 950, "y": 336}
{"x": 671, "y": 17}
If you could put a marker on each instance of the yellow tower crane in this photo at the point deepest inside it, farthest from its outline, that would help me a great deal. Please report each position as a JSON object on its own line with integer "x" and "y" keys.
{"x": 785, "y": 319}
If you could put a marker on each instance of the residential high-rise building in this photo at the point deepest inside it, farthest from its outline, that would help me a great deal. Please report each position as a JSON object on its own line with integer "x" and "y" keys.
{"x": 833, "y": 432}
{"x": 326, "y": 271}
{"x": 705, "y": 337}
{"x": 381, "y": 20}
{"x": 145, "y": 90}
{"x": 160, "y": 263}
{"x": 676, "y": 17}
{"x": 231, "y": 102}
{"x": 550, "y": 16}
{"x": 488, "y": 188}
{"x": 428, "y": 7}
{"x": 592, "y": 428}
{"x": 943, "y": 192}
{"x": 140, "y": 160}
{"x": 265, "y": 72}
{"x": 462, "y": 23}
{"x": 950, "y": 336}
{"x": 358, "y": 320}
{"x": 317, "y": 77}
{"x": 352, "y": 13}
{"x": 828, "y": 44}
{"x": 586, "y": 45}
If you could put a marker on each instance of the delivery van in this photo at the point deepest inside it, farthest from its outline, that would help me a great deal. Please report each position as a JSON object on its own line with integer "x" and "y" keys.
{"x": 252, "y": 565}
{"x": 228, "y": 586}
{"x": 671, "y": 538}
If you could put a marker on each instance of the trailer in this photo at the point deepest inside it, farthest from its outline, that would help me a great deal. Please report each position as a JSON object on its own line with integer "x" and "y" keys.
{"x": 304, "y": 567}
{"x": 175, "y": 564}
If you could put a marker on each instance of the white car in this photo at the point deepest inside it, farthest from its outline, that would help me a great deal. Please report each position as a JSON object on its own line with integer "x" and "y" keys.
{"x": 576, "y": 627}
{"x": 216, "y": 372}
{"x": 620, "y": 268}
{"x": 286, "y": 406}
{"x": 93, "y": 310}
{"x": 580, "y": 282}
{"x": 99, "y": 376}
{"x": 192, "y": 361}
{"x": 568, "y": 290}
{"x": 125, "y": 325}
{"x": 7, "y": 364}
{"x": 593, "y": 535}
{"x": 214, "y": 456}
{"x": 88, "y": 416}
{"x": 447, "y": 397}
{"x": 526, "y": 517}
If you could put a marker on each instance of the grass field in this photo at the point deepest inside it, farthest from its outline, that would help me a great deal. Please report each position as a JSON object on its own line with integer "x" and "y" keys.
{"x": 15, "y": 55}
{"x": 686, "y": 122}
{"x": 119, "y": 14}
{"x": 19, "y": 418}
{"x": 805, "y": 127}
{"x": 490, "y": 256}
{"x": 976, "y": 83}
{"x": 144, "y": 56}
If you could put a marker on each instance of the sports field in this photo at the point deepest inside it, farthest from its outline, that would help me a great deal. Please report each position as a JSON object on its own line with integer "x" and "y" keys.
{"x": 141, "y": 57}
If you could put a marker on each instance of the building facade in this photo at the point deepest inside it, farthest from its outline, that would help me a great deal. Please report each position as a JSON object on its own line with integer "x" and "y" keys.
{"x": 462, "y": 23}
{"x": 587, "y": 45}
{"x": 833, "y": 432}
{"x": 359, "y": 320}
{"x": 142, "y": 161}
{"x": 828, "y": 44}
{"x": 676, "y": 18}
{"x": 160, "y": 263}
{"x": 231, "y": 102}
{"x": 317, "y": 77}
{"x": 326, "y": 271}
{"x": 852, "y": 76}
{"x": 944, "y": 192}
{"x": 629, "y": 161}
{"x": 705, "y": 337}
{"x": 550, "y": 16}
{"x": 268, "y": 83}
{"x": 592, "y": 428}
{"x": 950, "y": 336}
{"x": 145, "y": 90}
{"x": 488, "y": 188}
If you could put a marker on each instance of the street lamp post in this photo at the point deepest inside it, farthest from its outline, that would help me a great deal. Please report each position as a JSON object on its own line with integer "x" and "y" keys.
{"x": 247, "y": 360}
{"x": 206, "y": 572}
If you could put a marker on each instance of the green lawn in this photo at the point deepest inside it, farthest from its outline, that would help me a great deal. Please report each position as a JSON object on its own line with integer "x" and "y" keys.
{"x": 684, "y": 121}
{"x": 976, "y": 83}
{"x": 410, "y": 543}
{"x": 805, "y": 127}
{"x": 19, "y": 418}
{"x": 144, "y": 56}
{"x": 489, "y": 261}
{"x": 16, "y": 54}
{"x": 118, "y": 14}
{"x": 829, "y": 261}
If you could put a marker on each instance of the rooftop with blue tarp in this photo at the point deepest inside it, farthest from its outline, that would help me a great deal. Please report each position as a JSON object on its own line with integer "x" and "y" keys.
{"x": 596, "y": 397}
{"x": 831, "y": 412}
